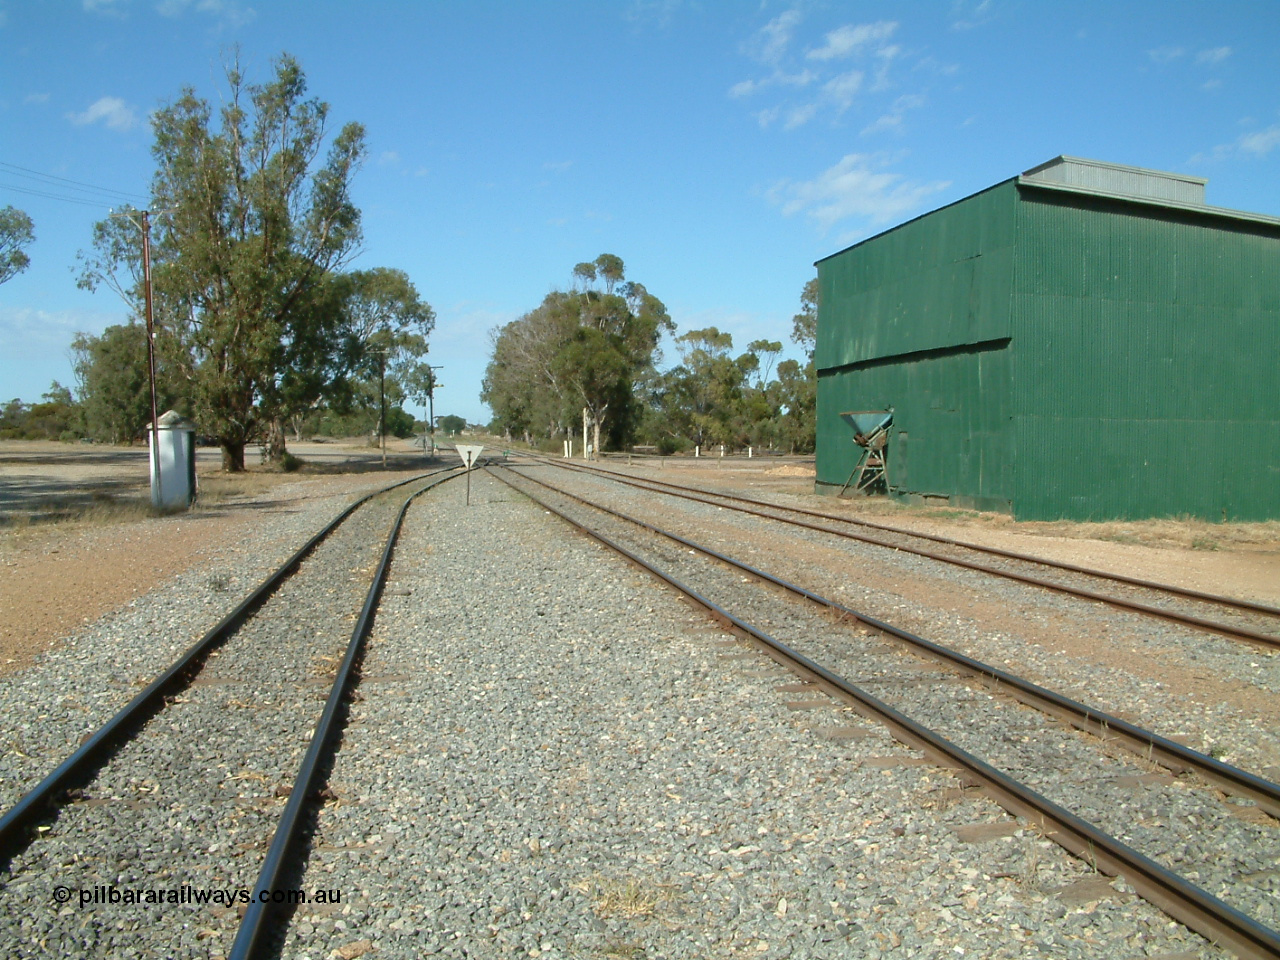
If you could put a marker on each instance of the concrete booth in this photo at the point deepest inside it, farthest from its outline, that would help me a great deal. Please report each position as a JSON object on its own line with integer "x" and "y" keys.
{"x": 175, "y": 486}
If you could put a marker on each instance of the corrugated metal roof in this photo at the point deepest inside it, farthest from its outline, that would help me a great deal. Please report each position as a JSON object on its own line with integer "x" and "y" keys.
{"x": 1168, "y": 191}
{"x": 1116, "y": 179}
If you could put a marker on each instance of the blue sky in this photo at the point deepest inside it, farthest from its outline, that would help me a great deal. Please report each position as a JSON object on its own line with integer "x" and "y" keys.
{"x": 719, "y": 148}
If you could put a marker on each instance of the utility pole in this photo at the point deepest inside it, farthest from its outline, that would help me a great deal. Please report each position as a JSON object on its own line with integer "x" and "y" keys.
{"x": 156, "y": 488}
{"x": 145, "y": 227}
{"x": 382, "y": 405}
{"x": 431, "y": 400}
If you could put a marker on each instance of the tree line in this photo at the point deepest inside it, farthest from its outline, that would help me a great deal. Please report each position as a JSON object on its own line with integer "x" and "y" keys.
{"x": 591, "y": 353}
{"x": 259, "y": 328}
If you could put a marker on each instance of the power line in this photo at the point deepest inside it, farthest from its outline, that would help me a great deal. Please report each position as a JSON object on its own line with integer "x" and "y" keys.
{"x": 53, "y": 196}
{"x": 65, "y": 184}
{"x": 37, "y": 174}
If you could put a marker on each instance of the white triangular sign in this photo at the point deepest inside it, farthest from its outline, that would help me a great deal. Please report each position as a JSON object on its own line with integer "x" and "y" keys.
{"x": 469, "y": 452}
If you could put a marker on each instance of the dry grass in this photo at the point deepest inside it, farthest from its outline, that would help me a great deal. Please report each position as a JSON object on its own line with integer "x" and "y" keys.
{"x": 218, "y": 487}
{"x": 623, "y": 898}
{"x": 1183, "y": 532}
{"x": 100, "y": 508}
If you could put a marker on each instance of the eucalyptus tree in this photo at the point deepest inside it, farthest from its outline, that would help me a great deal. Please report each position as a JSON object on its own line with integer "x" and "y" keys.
{"x": 804, "y": 325}
{"x": 382, "y": 330}
{"x": 16, "y": 232}
{"x": 113, "y": 385}
{"x": 256, "y": 217}
{"x": 583, "y": 349}
{"x": 797, "y": 385}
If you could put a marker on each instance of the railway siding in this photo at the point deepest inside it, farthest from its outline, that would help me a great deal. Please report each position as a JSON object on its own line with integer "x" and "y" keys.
{"x": 549, "y": 757}
{"x": 1189, "y": 831}
{"x": 1214, "y": 694}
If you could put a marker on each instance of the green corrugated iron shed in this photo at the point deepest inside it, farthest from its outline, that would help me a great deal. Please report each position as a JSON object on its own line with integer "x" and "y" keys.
{"x": 1085, "y": 341}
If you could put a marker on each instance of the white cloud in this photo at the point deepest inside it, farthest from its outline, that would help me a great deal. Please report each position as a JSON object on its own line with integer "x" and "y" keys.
{"x": 1261, "y": 142}
{"x": 966, "y": 19}
{"x": 1165, "y": 54}
{"x": 858, "y": 186}
{"x": 23, "y": 329}
{"x": 1257, "y": 143}
{"x": 557, "y": 166}
{"x": 36, "y": 98}
{"x": 834, "y": 85}
{"x": 801, "y": 79}
{"x": 657, "y": 11}
{"x": 229, "y": 11}
{"x": 770, "y": 43}
{"x": 1216, "y": 55}
{"x": 893, "y": 119}
{"x": 842, "y": 89}
{"x": 846, "y": 40}
{"x": 112, "y": 111}
{"x": 887, "y": 55}
{"x": 389, "y": 158}
{"x": 767, "y": 117}
{"x": 799, "y": 116}
{"x": 779, "y": 78}
{"x": 111, "y": 7}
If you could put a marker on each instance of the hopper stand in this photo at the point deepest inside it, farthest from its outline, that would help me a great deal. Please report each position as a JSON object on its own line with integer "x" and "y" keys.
{"x": 871, "y": 433}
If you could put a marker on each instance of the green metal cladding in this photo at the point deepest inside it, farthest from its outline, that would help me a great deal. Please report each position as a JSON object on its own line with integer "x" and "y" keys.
{"x": 1061, "y": 353}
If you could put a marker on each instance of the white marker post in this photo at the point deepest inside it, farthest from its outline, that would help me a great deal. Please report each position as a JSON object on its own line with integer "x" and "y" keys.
{"x": 470, "y": 453}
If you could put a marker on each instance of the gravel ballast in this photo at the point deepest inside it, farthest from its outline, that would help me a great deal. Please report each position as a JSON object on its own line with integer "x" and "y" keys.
{"x": 192, "y": 800}
{"x": 551, "y": 757}
{"x": 885, "y": 584}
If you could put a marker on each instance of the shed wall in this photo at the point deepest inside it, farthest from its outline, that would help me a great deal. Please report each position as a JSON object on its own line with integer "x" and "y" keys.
{"x": 918, "y": 319}
{"x": 1147, "y": 376}
{"x": 951, "y": 424}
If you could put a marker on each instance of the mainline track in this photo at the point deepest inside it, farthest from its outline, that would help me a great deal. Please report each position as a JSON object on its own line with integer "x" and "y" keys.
{"x": 770, "y": 511}
{"x": 41, "y": 803}
{"x": 1210, "y": 916}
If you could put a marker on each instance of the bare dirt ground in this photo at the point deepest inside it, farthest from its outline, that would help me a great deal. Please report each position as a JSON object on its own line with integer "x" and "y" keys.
{"x": 78, "y": 540}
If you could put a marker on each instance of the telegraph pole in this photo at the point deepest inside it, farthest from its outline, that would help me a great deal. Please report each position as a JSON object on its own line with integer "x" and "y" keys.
{"x": 151, "y": 357}
{"x": 431, "y": 409}
{"x": 382, "y": 405}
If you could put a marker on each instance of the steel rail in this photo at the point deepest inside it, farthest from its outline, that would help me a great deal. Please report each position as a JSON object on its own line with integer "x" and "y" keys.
{"x": 1236, "y": 602}
{"x": 1213, "y": 919}
{"x": 1199, "y": 623}
{"x": 251, "y": 938}
{"x": 93, "y": 753}
{"x": 1145, "y": 743}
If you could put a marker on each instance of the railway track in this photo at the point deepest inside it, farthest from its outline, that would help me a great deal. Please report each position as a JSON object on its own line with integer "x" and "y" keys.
{"x": 1248, "y": 621}
{"x": 190, "y": 783}
{"x": 1212, "y": 849}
